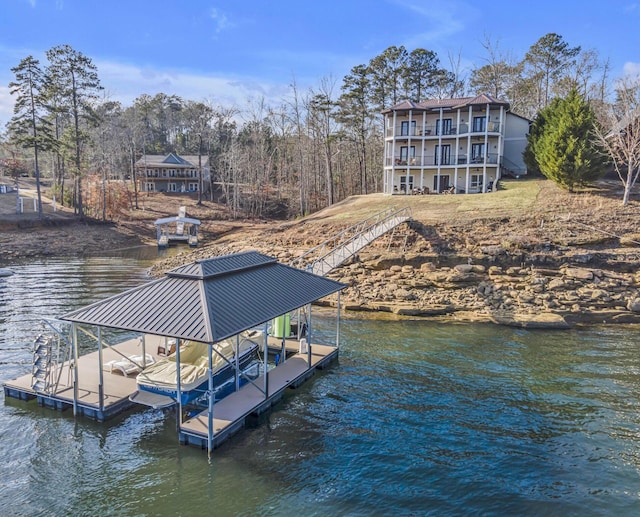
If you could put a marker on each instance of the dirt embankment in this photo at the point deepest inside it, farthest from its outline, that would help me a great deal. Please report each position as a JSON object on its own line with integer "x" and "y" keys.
{"x": 527, "y": 255}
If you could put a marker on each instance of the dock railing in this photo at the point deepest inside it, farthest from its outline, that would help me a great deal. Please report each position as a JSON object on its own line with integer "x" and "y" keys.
{"x": 338, "y": 249}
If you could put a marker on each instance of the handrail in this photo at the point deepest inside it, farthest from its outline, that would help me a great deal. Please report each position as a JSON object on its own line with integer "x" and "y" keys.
{"x": 345, "y": 244}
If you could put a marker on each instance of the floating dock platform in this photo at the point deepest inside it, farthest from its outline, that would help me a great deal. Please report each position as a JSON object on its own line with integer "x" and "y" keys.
{"x": 230, "y": 413}
{"x": 116, "y": 388}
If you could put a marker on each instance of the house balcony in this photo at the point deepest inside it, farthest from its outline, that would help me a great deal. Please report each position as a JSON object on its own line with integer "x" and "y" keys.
{"x": 430, "y": 161}
{"x": 400, "y": 132}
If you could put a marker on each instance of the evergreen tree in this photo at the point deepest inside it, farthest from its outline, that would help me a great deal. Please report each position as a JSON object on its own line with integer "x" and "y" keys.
{"x": 28, "y": 126}
{"x": 565, "y": 149}
{"x": 355, "y": 115}
{"x": 546, "y": 62}
{"x": 74, "y": 76}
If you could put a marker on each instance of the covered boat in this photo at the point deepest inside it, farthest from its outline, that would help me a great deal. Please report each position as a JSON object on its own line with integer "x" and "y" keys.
{"x": 160, "y": 378}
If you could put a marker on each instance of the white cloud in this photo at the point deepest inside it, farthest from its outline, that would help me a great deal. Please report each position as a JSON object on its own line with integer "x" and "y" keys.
{"x": 126, "y": 82}
{"x": 444, "y": 19}
{"x": 221, "y": 20}
{"x": 631, "y": 69}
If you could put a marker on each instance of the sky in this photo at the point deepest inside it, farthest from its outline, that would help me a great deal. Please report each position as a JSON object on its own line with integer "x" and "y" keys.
{"x": 234, "y": 52}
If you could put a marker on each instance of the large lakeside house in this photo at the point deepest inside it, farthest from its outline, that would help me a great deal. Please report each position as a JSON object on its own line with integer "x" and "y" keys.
{"x": 462, "y": 145}
{"x": 171, "y": 172}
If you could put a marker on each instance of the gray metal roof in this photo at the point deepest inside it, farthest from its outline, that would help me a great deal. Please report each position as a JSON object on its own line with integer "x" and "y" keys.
{"x": 210, "y": 300}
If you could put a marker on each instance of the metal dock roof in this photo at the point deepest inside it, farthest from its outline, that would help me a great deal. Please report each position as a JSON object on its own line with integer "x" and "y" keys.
{"x": 210, "y": 300}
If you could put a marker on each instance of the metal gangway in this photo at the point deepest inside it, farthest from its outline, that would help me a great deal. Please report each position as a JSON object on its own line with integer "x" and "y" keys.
{"x": 335, "y": 251}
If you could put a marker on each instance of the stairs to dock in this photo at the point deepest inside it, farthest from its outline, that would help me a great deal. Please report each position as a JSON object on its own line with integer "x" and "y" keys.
{"x": 337, "y": 250}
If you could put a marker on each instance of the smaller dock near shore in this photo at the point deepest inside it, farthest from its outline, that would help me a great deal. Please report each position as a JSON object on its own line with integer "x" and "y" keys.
{"x": 180, "y": 229}
{"x": 207, "y": 301}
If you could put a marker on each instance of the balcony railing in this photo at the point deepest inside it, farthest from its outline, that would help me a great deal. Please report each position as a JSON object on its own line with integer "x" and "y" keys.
{"x": 432, "y": 131}
{"x": 430, "y": 160}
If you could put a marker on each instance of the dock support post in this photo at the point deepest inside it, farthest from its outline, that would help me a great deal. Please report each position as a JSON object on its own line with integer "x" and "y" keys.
{"x": 101, "y": 374}
{"x": 237, "y": 361}
{"x": 144, "y": 351}
{"x": 75, "y": 370}
{"x": 266, "y": 353}
{"x": 210, "y": 419}
{"x": 338, "y": 323}
{"x": 178, "y": 388}
{"x": 309, "y": 337}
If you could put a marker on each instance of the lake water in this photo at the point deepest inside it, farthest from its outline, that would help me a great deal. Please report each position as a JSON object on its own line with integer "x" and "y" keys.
{"x": 415, "y": 418}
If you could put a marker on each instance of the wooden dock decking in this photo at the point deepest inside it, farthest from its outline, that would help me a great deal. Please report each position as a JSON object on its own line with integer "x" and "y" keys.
{"x": 116, "y": 387}
{"x": 230, "y": 414}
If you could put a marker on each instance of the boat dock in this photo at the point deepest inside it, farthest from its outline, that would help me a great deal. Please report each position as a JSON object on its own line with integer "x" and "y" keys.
{"x": 207, "y": 302}
{"x": 230, "y": 413}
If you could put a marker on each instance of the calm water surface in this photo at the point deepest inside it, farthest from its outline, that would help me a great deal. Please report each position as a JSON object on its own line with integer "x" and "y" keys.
{"x": 415, "y": 419}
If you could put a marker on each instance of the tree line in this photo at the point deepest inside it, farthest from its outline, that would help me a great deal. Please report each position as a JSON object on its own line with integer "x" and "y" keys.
{"x": 292, "y": 157}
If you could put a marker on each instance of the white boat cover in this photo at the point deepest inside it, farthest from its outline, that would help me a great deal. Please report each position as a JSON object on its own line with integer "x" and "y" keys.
{"x": 194, "y": 361}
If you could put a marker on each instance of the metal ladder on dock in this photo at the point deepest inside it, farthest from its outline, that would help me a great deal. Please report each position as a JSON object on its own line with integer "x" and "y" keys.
{"x": 50, "y": 350}
{"x": 337, "y": 250}
{"x": 42, "y": 362}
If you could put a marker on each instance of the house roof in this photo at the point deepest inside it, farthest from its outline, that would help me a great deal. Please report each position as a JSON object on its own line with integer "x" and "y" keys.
{"x": 210, "y": 300}
{"x": 437, "y": 104}
{"x": 171, "y": 160}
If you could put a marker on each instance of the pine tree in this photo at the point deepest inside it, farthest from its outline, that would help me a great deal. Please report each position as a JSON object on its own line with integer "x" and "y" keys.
{"x": 28, "y": 126}
{"x": 75, "y": 78}
{"x": 565, "y": 150}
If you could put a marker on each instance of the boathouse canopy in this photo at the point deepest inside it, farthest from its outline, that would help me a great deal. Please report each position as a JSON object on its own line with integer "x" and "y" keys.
{"x": 210, "y": 300}
{"x": 177, "y": 220}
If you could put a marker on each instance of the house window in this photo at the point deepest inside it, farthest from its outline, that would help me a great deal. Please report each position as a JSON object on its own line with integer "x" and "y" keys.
{"x": 476, "y": 182}
{"x": 406, "y": 154}
{"x": 172, "y": 187}
{"x": 193, "y": 187}
{"x": 477, "y": 153}
{"x": 479, "y": 124}
{"x": 444, "y": 183}
{"x": 403, "y": 183}
{"x": 443, "y": 155}
{"x": 445, "y": 124}
{"x": 404, "y": 128}
{"x": 150, "y": 186}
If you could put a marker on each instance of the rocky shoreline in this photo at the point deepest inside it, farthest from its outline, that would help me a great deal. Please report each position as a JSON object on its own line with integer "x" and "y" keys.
{"x": 415, "y": 286}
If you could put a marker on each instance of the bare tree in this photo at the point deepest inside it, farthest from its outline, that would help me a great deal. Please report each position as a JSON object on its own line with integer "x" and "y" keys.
{"x": 619, "y": 134}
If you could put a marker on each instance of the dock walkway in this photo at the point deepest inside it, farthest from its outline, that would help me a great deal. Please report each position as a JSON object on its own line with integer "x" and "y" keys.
{"x": 230, "y": 414}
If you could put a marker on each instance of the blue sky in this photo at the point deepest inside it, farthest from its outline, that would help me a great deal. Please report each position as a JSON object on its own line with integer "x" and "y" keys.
{"x": 232, "y": 51}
